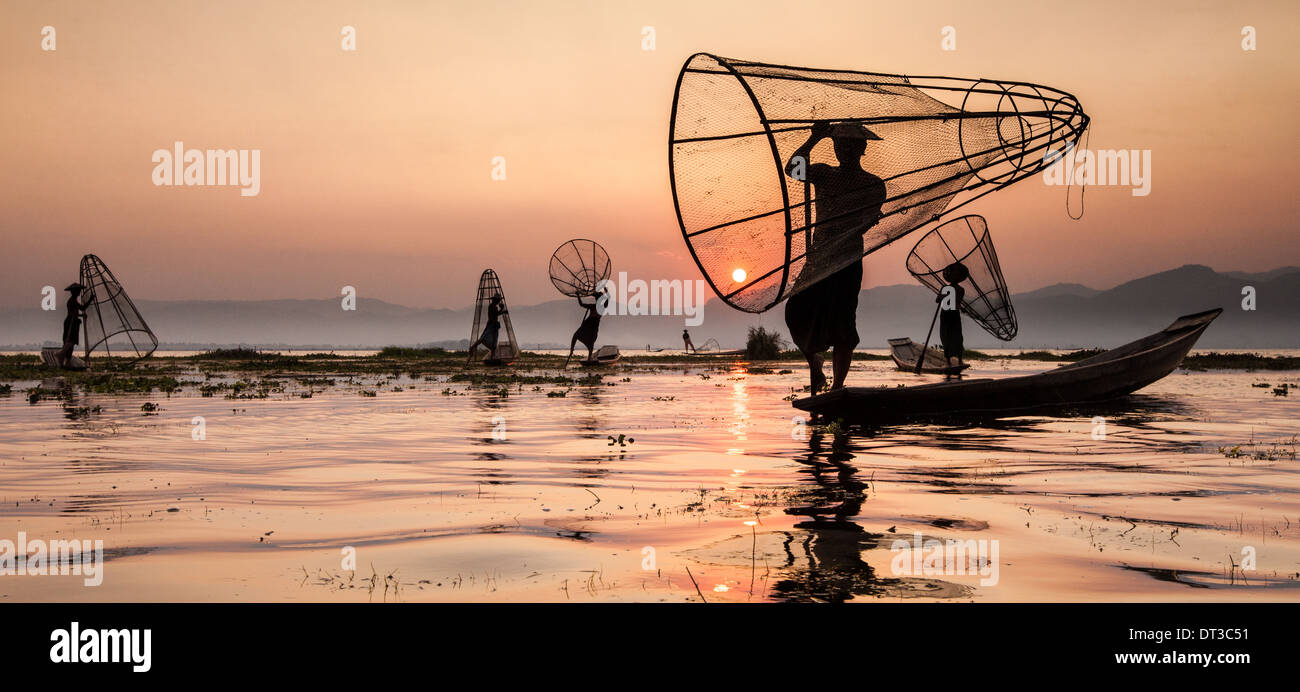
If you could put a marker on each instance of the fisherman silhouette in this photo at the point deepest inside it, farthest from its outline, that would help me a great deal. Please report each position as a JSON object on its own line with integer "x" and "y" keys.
{"x": 687, "y": 344}
{"x": 848, "y": 201}
{"x": 590, "y": 327}
{"x": 492, "y": 331}
{"x": 72, "y": 322}
{"x": 950, "y": 313}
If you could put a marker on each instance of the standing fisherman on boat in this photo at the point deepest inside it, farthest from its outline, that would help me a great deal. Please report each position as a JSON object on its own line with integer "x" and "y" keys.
{"x": 590, "y": 327}
{"x": 687, "y": 344}
{"x": 848, "y": 202}
{"x": 950, "y": 303}
{"x": 492, "y": 332}
{"x": 72, "y": 322}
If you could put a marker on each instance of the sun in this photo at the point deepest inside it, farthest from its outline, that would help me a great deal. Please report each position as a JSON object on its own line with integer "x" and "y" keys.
{"x": 738, "y": 275}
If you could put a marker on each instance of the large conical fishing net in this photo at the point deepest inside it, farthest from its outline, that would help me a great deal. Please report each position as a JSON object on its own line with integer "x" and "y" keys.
{"x": 578, "y": 267}
{"x": 112, "y": 325}
{"x": 966, "y": 240}
{"x": 507, "y": 346}
{"x": 942, "y": 142}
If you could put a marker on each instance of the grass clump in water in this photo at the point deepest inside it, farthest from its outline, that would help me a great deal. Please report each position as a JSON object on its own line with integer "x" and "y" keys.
{"x": 762, "y": 344}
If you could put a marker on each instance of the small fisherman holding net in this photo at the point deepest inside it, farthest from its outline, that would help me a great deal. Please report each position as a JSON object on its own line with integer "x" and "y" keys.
{"x": 848, "y": 201}
{"x": 950, "y": 314}
{"x": 588, "y": 331}
{"x": 491, "y": 335}
{"x": 76, "y": 308}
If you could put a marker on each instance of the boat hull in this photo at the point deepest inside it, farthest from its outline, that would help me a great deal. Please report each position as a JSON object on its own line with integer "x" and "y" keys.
{"x": 1109, "y": 375}
{"x": 904, "y": 351}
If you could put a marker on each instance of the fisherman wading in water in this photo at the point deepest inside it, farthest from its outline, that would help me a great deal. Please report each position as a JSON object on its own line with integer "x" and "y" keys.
{"x": 492, "y": 332}
{"x": 590, "y": 327}
{"x": 72, "y": 322}
{"x": 848, "y": 201}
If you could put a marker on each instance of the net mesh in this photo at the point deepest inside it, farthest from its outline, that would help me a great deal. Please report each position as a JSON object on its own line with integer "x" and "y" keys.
{"x": 507, "y": 346}
{"x": 966, "y": 240}
{"x": 755, "y": 231}
{"x": 112, "y": 321}
{"x": 578, "y": 266}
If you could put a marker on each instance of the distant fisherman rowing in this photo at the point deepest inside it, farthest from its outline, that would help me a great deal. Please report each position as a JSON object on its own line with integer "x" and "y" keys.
{"x": 213, "y": 167}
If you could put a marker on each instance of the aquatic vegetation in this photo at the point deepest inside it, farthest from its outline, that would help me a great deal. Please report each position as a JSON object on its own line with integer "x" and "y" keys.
{"x": 506, "y": 378}
{"x": 1047, "y": 356}
{"x": 1240, "y": 361}
{"x": 114, "y": 384}
{"x": 239, "y": 353}
{"x": 1274, "y": 451}
{"x": 410, "y": 352}
{"x": 81, "y": 412}
{"x": 21, "y": 367}
{"x": 761, "y": 344}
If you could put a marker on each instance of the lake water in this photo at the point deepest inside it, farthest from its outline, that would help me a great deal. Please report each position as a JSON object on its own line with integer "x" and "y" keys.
{"x": 447, "y": 492}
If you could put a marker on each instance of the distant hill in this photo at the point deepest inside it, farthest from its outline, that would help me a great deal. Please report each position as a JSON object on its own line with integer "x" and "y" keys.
{"x": 1056, "y": 290}
{"x": 1263, "y": 276}
{"x": 1063, "y": 316}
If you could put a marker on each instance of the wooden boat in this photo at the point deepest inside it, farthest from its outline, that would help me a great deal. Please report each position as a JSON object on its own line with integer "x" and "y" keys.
{"x": 50, "y": 356}
{"x": 713, "y": 348}
{"x": 1109, "y": 375}
{"x": 728, "y": 352}
{"x": 605, "y": 355}
{"x": 905, "y": 352}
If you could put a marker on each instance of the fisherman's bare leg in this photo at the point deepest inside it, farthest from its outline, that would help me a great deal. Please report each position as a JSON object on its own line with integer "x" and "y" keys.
{"x": 817, "y": 379}
{"x": 841, "y": 359}
{"x": 473, "y": 346}
{"x": 572, "y": 345}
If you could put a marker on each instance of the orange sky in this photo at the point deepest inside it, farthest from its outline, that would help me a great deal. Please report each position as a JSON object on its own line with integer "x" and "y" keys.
{"x": 376, "y": 163}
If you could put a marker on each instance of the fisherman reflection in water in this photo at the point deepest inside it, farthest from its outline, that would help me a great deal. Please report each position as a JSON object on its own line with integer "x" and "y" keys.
{"x": 492, "y": 332}
{"x": 848, "y": 202}
{"x": 950, "y": 303}
{"x": 590, "y": 327}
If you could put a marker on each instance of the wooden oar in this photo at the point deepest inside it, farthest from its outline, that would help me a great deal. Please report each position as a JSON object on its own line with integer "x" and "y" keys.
{"x": 921, "y": 358}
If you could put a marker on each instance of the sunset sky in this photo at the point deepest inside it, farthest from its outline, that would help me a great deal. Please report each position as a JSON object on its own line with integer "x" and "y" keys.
{"x": 376, "y": 164}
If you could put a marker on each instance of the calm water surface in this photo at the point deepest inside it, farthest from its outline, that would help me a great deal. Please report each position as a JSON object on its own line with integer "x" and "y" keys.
{"x": 448, "y": 492}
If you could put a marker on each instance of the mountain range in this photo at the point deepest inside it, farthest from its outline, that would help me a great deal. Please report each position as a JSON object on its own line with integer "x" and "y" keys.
{"x": 1058, "y": 316}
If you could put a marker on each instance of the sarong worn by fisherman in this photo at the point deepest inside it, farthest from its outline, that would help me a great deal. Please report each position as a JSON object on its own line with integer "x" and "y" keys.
{"x": 847, "y": 202}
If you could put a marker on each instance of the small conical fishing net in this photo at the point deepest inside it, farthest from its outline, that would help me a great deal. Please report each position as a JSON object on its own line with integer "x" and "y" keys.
{"x": 507, "y": 346}
{"x": 966, "y": 240}
{"x": 760, "y": 233}
{"x": 112, "y": 324}
{"x": 578, "y": 266}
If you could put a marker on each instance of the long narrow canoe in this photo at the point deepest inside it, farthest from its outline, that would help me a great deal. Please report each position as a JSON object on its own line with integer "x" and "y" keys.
{"x": 728, "y": 352}
{"x": 905, "y": 352}
{"x": 605, "y": 355}
{"x": 1109, "y": 375}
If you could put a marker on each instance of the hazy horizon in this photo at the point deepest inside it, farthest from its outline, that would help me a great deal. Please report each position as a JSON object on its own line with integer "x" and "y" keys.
{"x": 551, "y": 296}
